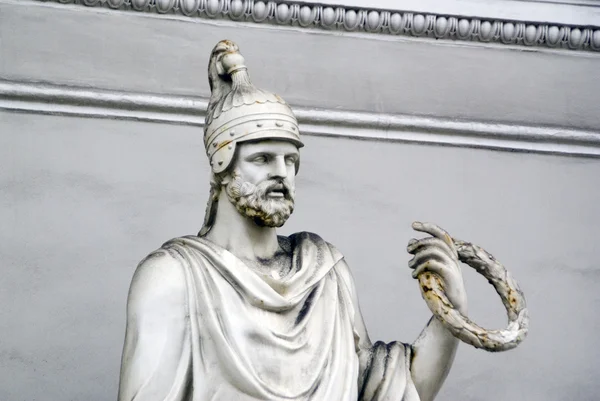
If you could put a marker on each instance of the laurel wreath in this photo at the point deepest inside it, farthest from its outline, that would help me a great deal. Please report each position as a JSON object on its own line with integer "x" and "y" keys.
{"x": 432, "y": 290}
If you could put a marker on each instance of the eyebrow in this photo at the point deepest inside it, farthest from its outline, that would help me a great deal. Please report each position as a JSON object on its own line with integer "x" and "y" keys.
{"x": 270, "y": 153}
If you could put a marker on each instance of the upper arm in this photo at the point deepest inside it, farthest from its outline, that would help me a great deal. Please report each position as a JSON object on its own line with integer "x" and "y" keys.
{"x": 156, "y": 328}
{"x": 359, "y": 325}
{"x": 364, "y": 347}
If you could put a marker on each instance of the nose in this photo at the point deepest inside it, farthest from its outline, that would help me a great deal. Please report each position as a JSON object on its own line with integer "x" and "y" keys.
{"x": 278, "y": 168}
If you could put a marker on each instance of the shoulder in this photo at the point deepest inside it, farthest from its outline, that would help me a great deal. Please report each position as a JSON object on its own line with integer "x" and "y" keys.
{"x": 158, "y": 282}
{"x": 340, "y": 265}
{"x": 304, "y": 237}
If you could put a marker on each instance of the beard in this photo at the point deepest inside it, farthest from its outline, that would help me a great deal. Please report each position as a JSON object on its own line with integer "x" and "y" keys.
{"x": 252, "y": 201}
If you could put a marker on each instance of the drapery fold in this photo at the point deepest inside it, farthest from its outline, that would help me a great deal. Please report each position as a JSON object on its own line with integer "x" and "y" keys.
{"x": 251, "y": 337}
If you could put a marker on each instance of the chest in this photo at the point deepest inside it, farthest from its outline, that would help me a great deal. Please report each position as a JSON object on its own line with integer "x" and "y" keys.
{"x": 276, "y": 267}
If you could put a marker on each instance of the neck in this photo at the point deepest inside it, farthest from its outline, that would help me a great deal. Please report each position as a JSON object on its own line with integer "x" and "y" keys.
{"x": 240, "y": 235}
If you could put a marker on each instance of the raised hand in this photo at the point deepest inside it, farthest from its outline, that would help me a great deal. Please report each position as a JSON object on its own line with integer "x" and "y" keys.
{"x": 438, "y": 255}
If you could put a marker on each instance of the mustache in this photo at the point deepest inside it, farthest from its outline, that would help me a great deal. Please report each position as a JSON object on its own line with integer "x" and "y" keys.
{"x": 241, "y": 188}
{"x": 273, "y": 185}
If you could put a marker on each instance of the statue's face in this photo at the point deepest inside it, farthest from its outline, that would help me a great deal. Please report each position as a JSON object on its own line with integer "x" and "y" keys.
{"x": 261, "y": 185}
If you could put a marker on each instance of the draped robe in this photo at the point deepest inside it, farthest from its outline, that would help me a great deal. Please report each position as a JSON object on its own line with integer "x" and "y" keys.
{"x": 233, "y": 334}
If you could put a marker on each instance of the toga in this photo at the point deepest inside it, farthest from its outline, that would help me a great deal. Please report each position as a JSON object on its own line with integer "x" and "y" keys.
{"x": 203, "y": 326}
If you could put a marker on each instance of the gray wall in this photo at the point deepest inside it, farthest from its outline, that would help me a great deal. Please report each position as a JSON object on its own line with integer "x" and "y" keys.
{"x": 83, "y": 200}
{"x": 135, "y": 51}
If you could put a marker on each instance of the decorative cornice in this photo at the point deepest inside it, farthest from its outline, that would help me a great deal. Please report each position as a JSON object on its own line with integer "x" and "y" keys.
{"x": 353, "y": 19}
{"x": 64, "y": 100}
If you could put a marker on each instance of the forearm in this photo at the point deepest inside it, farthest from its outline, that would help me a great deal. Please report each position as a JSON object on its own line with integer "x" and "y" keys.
{"x": 435, "y": 348}
{"x": 433, "y": 354}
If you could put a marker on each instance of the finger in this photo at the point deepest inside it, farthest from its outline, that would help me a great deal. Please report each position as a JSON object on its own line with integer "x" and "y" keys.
{"x": 437, "y": 232}
{"x": 434, "y": 230}
{"x": 430, "y": 253}
{"x": 431, "y": 266}
{"x": 415, "y": 246}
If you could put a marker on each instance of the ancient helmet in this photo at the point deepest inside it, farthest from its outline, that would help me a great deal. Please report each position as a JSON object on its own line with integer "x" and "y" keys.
{"x": 238, "y": 111}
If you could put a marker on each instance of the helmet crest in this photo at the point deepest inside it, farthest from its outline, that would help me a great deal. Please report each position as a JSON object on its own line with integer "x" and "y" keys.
{"x": 238, "y": 111}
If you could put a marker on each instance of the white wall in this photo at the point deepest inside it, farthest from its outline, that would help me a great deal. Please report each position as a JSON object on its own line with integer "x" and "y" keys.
{"x": 83, "y": 200}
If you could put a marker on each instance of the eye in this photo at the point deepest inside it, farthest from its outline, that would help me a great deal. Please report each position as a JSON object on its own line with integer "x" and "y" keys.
{"x": 291, "y": 160}
{"x": 260, "y": 159}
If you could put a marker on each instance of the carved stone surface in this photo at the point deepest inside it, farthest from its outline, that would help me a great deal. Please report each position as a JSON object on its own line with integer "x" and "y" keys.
{"x": 238, "y": 312}
{"x": 350, "y": 19}
{"x": 432, "y": 289}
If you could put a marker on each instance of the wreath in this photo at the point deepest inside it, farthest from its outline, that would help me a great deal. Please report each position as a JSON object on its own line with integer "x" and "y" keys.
{"x": 432, "y": 290}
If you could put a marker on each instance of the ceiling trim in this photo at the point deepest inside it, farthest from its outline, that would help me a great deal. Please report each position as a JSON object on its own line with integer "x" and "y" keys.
{"x": 374, "y": 21}
{"x": 44, "y": 98}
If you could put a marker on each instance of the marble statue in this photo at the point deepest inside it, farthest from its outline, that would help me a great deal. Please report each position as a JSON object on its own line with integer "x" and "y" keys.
{"x": 240, "y": 313}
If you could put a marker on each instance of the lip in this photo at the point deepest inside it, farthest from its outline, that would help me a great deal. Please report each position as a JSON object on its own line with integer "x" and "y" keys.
{"x": 275, "y": 194}
{"x": 277, "y": 191}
